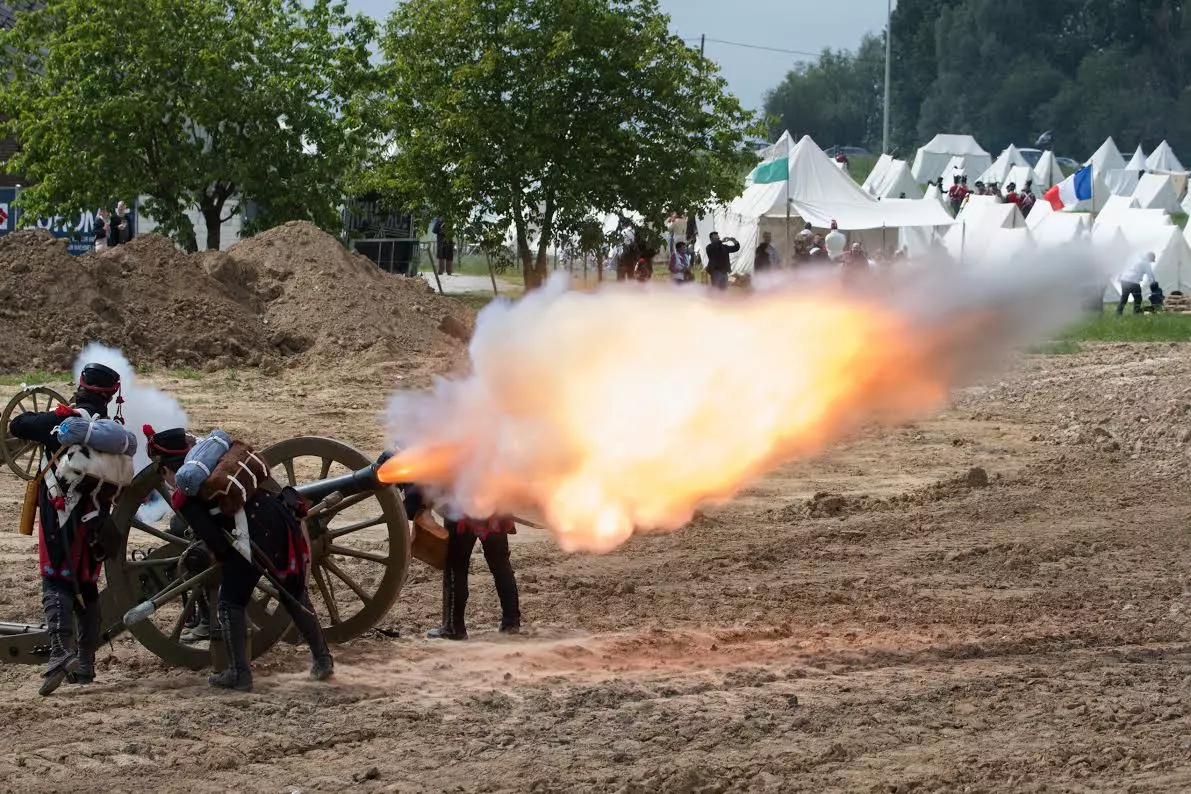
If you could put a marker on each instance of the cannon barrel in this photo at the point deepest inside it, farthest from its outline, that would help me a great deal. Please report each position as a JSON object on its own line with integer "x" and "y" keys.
{"x": 358, "y": 481}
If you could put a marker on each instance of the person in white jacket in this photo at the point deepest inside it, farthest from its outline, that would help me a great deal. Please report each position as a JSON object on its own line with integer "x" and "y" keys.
{"x": 1131, "y": 280}
{"x": 836, "y": 242}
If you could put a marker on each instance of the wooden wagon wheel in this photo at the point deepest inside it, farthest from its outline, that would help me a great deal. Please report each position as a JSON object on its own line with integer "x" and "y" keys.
{"x": 24, "y": 457}
{"x": 360, "y": 547}
{"x": 146, "y": 558}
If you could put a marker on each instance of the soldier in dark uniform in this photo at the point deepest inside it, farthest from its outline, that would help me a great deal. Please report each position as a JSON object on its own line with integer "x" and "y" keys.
{"x": 493, "y": 534}
{"x": 70, "y": 555}
{"x": 275, "y": 526}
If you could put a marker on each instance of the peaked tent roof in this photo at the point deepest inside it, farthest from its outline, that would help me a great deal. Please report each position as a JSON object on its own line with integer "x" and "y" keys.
{"x": 1060, "y": 228}
{"x": 1120, "y": 181}
{"x": 934, "y": 158}
{"x": 1138, "y": 161}
{"x": 1107, "y": 157}
{"x": 1156, "y": 192}
{"x": 1047, "y": 173}
{"x": 933, "y": 192}
{"x": 1019, "y": 175}
{"x": 897, "y": 180}
{"x": 1163, "y": 159}
{"x": 975, "y": 227}
{"x": 877, "y": 174}
{"x": 1041, "y": 211}
{"x": 999, "y": 170}
{"x": 956, "y": 166}
{"x": 1116, "y": 204}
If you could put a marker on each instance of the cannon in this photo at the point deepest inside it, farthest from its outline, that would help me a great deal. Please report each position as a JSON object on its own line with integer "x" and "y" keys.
{"x": 22, "y": 457}
{"x": 360, "y": 555}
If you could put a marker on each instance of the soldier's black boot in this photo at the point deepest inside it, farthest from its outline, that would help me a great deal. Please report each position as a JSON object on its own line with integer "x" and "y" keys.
{"x": 59, "y": 620}
{"x": 454, "y": 606}
{"x": 88, "y": 642}
{"x": 238, "y": 675}
{"x": 322, "y": 664}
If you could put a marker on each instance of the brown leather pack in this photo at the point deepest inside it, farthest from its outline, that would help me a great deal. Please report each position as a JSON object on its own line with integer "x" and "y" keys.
{"x": 239, "y": 475}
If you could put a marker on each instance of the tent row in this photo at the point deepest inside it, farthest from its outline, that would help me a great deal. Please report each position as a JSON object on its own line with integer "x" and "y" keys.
{"x": 796, "y": 184}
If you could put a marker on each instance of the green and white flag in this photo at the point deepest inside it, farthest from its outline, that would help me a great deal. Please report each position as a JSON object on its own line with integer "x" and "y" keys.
{"x": 776, "y": 171}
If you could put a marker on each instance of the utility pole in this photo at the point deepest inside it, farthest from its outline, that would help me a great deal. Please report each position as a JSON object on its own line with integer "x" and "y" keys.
{"x": 888, "y": 41}
{"x": 702, "y": 43}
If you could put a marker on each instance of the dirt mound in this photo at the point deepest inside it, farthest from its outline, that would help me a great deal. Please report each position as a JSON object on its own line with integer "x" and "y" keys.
{"x": 291, "y": 296}
{"x": 147, "y": 298}
{"x": 329, "y": 303}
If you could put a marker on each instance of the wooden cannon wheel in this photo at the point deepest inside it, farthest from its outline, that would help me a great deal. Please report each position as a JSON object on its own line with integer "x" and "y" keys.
{"x": 359, "y": 559}
{"x": 24, "y": 457}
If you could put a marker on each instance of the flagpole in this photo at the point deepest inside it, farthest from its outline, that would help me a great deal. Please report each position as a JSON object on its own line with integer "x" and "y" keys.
{"x": 888, "y": 40}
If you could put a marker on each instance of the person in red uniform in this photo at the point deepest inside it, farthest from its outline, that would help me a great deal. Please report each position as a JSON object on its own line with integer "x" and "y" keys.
{"x": 69, "y": 551}
{"x": 1011, "y": 196}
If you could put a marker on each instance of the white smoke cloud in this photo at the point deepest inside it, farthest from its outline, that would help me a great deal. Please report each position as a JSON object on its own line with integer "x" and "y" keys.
{"x": 143, "y": 404}
{"x": 628, "y": 408}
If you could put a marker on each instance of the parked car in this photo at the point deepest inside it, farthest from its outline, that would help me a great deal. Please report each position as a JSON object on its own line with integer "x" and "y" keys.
{"x": 1031, "y": 156}
{"x": 1067, "y": 163}
{"x": 848, "y": 151}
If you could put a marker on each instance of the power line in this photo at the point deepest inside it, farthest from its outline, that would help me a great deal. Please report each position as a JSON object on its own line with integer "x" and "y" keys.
{"x": 760, "y": 47}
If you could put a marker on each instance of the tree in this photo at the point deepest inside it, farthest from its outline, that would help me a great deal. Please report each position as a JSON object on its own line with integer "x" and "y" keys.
{"x": 836, "y": 99}
{"x": 205, "y": 103}
{"x": 536, "y": 115}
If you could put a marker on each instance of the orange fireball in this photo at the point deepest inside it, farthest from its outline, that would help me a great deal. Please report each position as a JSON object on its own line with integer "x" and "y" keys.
{"x": 626, "y": 410}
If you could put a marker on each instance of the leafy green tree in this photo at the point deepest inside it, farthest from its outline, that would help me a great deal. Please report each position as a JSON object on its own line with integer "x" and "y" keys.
{"x": 200, "y": 103}
{"x": 536, "y": 114}
{"x": 836, "y": 99}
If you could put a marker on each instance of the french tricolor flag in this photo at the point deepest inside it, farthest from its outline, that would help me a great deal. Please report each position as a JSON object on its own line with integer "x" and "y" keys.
{"x": 1072, "y": 190}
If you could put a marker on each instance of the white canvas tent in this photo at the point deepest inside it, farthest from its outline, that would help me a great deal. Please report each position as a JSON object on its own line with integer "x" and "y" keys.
{"x": 1047, "y": 173}
{"x": 1131, "y": 218}
{"x": 1163, "y": 159}
{"x": 1156, "y": 192}
{"x": 1041, "y": 211}
{"x": 1172, "y": 252}
{"x": 877, "y": 174}
{"x": 818, "y": 193}
{"x": 1138, "y": 161}
{"x": 1018, "y": 175}
{"x": 1107, "y": 157}
{"x": 1186, "y": 204}
{"x": 897, "y": 180}
{"x": 1120, "y": 181}
{"x": 932, "y": 192}
{"x": 933, "y": 159}
{"x": 1058, "y": 229}
{"x": 1115, "y": 205}
{"x": 975, "y": 227}
{"x": 999, "y": 170}
{"x": 1001, "y": 246}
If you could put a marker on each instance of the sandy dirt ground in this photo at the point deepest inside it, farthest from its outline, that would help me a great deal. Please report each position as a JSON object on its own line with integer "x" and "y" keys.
{"x": 880, "y": 619}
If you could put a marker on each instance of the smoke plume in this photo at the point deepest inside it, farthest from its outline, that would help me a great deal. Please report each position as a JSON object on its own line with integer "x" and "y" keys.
{"x": 628, "y": 408}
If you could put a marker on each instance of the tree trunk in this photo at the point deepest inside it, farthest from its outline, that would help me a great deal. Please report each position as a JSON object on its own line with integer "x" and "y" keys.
{"x": 212, "y": 216}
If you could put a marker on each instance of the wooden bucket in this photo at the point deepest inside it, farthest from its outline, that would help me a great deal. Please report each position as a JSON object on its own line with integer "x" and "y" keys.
{"x": 29, "y": 507}
{"x": 429, "y": 541}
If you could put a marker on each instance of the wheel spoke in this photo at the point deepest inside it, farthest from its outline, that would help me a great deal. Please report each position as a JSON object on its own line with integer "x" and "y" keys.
{"x": 325, "y": 470}
{"x": 288, "y": 465}
{"x": 338, "y": 532}
{"x": 383, "y": 559}
{"x": 188, "y": 602}
{"x": 331, "y": 566}
{"x": 154, "y": 531}
{"x": 325, "y": 589}
{"x": 33, "y": 397}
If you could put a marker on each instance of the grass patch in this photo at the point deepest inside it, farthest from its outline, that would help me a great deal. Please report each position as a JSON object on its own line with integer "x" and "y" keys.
{"x": 187, "y": 374}
{"x": 1108, "y": 327}
{"x": 36, "y": 378}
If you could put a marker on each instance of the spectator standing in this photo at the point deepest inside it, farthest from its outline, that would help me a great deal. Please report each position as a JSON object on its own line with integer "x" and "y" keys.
{"x": 836, "y": 241}
{"x": 766, "y": 256}
{"x": 1131, "y": 279}
{"x": 102, "y": 219}
{"x": 680, "y": 264}
{"x": 719, "y": 262}
{"x": 123, "y": 223}
{"x": 445, "y": 246}
{"x": 854, "y": 266}
{"x": 644, "y": 271}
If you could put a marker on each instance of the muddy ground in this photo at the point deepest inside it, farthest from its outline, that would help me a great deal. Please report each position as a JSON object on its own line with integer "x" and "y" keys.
{"x": 914, "y": 627}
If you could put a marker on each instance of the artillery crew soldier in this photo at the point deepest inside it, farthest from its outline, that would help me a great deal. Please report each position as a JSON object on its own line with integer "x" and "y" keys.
{"x": 274, "y": 523}
{"x": 493, "y": 534}
{"x": 69, "y": 550}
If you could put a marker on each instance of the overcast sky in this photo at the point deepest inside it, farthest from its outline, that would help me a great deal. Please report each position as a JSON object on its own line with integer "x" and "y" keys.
{"x": 806, "y": 25}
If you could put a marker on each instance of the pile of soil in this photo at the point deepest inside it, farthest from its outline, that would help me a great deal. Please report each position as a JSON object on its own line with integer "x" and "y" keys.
{"x": 327, "y": 303}
{"x": 292, "y": 296}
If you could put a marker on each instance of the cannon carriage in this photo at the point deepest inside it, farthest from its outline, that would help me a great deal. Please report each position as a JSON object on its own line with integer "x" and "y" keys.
{"x": 359, "y": 542}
